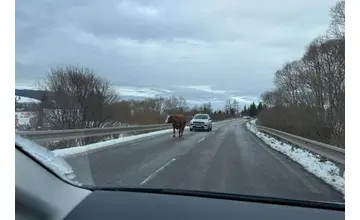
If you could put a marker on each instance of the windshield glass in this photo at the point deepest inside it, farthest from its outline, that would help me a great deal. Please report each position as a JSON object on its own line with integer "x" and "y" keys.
{"x": 131, "y": 74}
{"x": 200, "y": 117}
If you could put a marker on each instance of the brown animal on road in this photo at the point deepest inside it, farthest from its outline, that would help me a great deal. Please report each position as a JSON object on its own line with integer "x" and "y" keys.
{"x": 178, "y": 122}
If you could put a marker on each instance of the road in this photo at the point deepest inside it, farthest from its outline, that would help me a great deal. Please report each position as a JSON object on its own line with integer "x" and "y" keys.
{"x": 228, "y": 159}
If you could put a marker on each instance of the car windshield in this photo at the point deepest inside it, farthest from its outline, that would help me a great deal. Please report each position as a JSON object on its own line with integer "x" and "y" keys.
{"x": 200, "y": 117}
{"x": 109, "y": 89}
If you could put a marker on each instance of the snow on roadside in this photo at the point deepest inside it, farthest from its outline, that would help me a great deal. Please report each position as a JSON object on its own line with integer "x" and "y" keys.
{"x": 326, "y": 171}
{"x": 82, "y": 149}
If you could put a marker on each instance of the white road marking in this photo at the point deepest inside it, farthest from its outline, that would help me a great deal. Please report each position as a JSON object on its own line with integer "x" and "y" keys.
{"x": 157, "y": 171}
{"x": 200, "y": 140}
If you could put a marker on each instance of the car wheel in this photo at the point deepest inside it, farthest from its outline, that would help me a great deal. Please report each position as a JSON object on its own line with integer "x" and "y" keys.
{"x": 191, "y": 129}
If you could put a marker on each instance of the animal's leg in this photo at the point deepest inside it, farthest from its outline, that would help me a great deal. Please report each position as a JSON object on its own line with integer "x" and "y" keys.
{"x": 182, "y": 128}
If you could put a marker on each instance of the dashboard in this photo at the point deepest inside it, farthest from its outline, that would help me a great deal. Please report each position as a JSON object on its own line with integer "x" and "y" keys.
{"x": 135, "y": 205}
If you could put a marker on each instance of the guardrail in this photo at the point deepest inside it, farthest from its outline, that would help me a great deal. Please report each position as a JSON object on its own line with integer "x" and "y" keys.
{"x": 332, "y": 153}
{"x": 52, "y": 135}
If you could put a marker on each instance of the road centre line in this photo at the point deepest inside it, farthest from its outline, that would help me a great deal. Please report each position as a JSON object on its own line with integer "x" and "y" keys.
{"x": 200, "y": 140}
{"x": 157, "y": 171}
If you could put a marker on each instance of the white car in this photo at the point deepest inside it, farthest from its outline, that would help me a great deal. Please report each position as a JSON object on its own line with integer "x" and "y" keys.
{"x": 201, "y": 122}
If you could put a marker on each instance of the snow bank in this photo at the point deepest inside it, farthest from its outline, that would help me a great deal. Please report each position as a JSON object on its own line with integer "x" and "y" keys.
{"x": 326, "y": 171}
{"x": 82, "y": 149}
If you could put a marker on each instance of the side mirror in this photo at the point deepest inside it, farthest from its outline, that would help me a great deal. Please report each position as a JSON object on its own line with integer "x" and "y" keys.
{"x": 209, "y": 119}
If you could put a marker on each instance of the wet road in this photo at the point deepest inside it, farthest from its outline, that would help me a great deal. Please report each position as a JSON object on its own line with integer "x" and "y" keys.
{"x": 228, "y": 159}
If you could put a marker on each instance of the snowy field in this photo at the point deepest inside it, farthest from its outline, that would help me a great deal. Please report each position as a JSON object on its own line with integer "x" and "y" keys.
{"x": 324, "y": 170}
{"x": 23, "y": 118}
{"x": 22, "y": 99}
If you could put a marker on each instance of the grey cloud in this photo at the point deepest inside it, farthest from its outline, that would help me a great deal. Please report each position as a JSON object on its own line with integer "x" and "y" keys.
{"x": 201, "y": 20}
{"x": 233, "y": 46}
{"x": 223, "y": 22}
{"x": 193, "y": 96}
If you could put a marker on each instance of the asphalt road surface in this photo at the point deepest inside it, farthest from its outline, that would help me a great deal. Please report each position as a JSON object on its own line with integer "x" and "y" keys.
{"x": 228, "y": 159}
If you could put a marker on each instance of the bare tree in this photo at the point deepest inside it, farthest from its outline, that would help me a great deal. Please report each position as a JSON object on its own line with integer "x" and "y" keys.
{"x": 309, "y": 98}
{"x": 228, "y": 107}
{"x": 235, "y": 106}
{"x": 337, "y": 25}
{"x": 80, "y": 98}
{"x": 206, "y": 108}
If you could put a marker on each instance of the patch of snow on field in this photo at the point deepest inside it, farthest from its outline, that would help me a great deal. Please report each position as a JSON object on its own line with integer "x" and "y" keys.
{"x": 22, "y": 99}
{"x": 82, "y": 149}
{"x": 23, "y": 118}
{"x": 326, "y": 171}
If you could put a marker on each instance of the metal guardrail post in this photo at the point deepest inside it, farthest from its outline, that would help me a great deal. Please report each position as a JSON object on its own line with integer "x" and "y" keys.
{"x": 52, "y": 135}
{"x": 332, "y": 153}
{"x": 341, "y": 169}
{"x": 41, "y": 116}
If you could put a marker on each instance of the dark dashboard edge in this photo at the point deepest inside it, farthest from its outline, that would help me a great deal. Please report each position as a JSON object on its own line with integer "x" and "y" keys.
{"x": 236, "y": 197}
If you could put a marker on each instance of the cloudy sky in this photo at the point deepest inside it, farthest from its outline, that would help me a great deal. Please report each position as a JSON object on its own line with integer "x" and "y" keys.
{"x": 203, "y": 50}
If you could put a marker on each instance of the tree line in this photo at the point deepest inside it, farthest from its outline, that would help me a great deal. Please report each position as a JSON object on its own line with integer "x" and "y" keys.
{"x": 309, "y": 98}
{"x": 82, "y": 99}
{"x": 253, "y": 110}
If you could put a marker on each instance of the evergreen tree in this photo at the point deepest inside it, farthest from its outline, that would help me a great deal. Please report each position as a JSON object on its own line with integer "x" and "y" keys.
{"x": 252, "y": 110}
{"x": 259, "y": 107}
{"x": 244, "y": 111}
